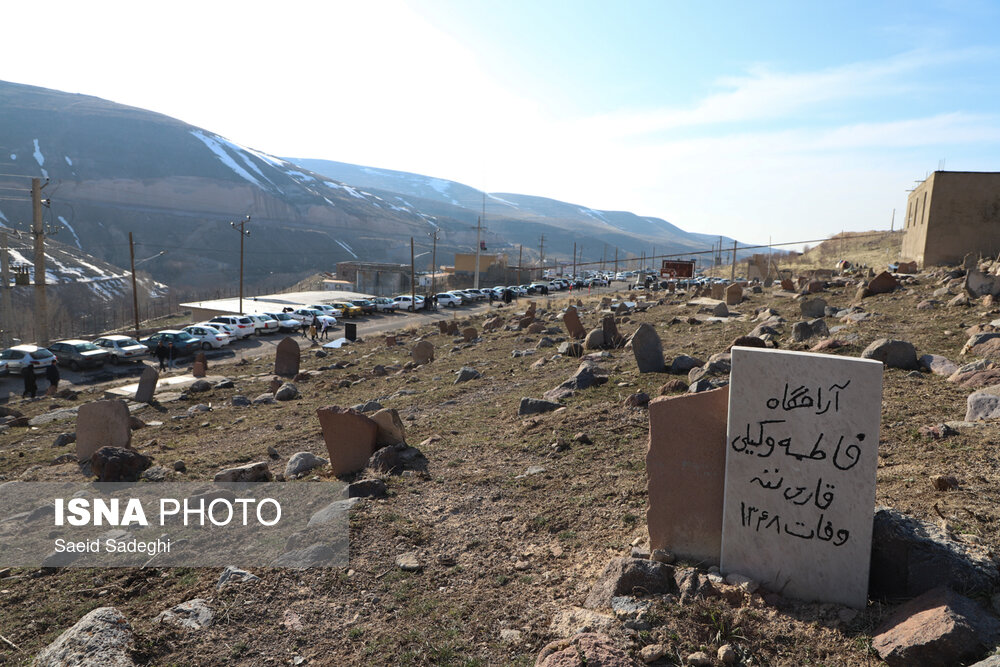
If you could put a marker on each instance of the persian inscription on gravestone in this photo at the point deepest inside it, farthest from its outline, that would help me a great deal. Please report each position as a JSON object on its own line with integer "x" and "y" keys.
{"x": 801, "y": 454}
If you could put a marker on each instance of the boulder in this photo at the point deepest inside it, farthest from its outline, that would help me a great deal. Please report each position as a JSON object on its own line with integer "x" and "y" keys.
{"x": 813, "y": 308}
{"x": 594, "y": 340}
{"x": 571, "y": 349}
{"x": 892, "y": 353}
{"x": 720, "y": 310}
{"x": 302, "y": 462}
{"x": 467, "y": 373}
{"x": 882, "y": 283}
{"x": 286, "y": 392}
{"x": 191, "y": 615}
{"x": 910, "y": 557}
{"x": 118, "y": 464}
{"x": 102, "y": 638}
{"x": 940, "y": 627}
{"x": 983, "y": 404}
{"x": 583, "y": 650}
{"x": 422, "y": 353}
{"x": 937, "y": 364}
{"x": 390, "y": 427}
{"x": 683, "y": 364}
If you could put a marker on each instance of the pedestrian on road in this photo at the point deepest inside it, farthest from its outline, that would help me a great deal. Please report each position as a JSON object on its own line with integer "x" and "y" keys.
{"x": 30, "y": 386}
{"x": 313, "y": 328}
{"x": 161, "y": 354}
{"x": 325, "y": 330}
{"x": 170, "y": 353}
{"x": 52, "y": 375}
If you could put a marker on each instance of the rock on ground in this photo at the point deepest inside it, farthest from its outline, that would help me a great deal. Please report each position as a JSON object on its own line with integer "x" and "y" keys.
{"x": 191, "y": 615}
{"x": 534, "y": 406}
{"x": 940, "y": 627}
{"x": 301, "y": 462}
{"x": 892, "y": 353}
{"x": 102, "y": 638}
{"x": 118, "y": 464}
{"x": 583, "y": 650}
{"x": 254, "y": 472}
{"x": 232, "y": 575}
{"x": 622, "y": 575}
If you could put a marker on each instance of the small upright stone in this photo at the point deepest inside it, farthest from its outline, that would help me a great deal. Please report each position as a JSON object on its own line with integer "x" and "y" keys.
{"x": 287, "y": 358}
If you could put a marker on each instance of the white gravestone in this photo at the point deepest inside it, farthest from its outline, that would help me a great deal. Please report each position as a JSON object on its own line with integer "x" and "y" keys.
{"x": 801, "y": 455}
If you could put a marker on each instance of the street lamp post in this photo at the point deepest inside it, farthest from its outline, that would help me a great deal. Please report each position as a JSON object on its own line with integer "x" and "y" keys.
{"x": 243, "y": 233}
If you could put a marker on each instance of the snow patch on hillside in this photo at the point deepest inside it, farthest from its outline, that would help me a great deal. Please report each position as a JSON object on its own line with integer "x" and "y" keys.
{"x": 213, "y": 144}
{"x": 503, "y": 201}
{"x": 442, "y": 186}
{"x": 347, "y": 248}
{"x": 4, "y": 218}
{"x": 71, "y": 231}
{"x": 340, "y": 186}
{"x": 596, "y": 215}
{"x": 68, "y": 161}
{"x": 39, "y": 158}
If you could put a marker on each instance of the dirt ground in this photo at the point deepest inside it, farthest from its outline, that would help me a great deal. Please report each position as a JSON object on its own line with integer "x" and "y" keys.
{"x": 500, "y": 549}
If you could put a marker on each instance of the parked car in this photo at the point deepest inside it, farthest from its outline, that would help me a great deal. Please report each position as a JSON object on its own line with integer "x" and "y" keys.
{"x": 184, "y": 343}
{"x": 122, "y": 348}
{"x": 349, "y": 309}
{"x": 264, "y": 324}
{"x": 19, "y": 356}
{"x": 328, "y": 309}
{"x": 79, "y": 354}
{"x": 384, "y": 304}
{"x": 227, "y": 330}
{"x": 367, "y": 306}
{"x": 406, "y": 301}
{"x": 285, "y": 321}
{"x": 244, "y": 325}
{"x": 448, "y": 299}
{"x": 306, "y": 315}
{"x": 209, "y": 338}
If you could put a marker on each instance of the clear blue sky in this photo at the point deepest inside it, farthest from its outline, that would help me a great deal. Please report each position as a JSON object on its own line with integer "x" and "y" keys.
{"x": 782, "y": 120}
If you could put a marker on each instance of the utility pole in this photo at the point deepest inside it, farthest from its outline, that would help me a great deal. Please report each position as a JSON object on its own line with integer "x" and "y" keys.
{"x": 520, "y": 253}
{"x": 574, "y": 260}
{"x": 434, "y": 259}
{"x": 604, "y": 253}
{"x": 479, "y": 228}
{"x": 892, "y": 222}
{"x": 732, "y": 276}
{"x": 243, "y": 232}
{"x": 135, "y": 293}
{"x": 41, "y": 300}
{"x": 5, "y": 333}
{"x": 616, "y": 261}
{"x": 413, "y": 280}
{"x": 541, "y": 257}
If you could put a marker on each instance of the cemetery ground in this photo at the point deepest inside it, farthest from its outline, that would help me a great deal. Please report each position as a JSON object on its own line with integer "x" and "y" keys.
{"x": 515, "y": 518}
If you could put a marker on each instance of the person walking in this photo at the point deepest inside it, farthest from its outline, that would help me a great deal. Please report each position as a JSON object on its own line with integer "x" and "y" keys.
{"x": 161, "y": 354}
{"x": 52, "y": 375}
{"x": 30, "y": 386}
{"x": 170, "y": 354}
{"x": 313, "y": 327}
{"x": 325, "y": 330}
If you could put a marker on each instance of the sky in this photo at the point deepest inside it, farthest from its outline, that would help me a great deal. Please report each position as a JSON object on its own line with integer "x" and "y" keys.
{"x": 779, "y": 121}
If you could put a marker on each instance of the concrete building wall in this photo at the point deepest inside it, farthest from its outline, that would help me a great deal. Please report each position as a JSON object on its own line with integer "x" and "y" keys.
{"x": 466, "y": 262}
{"x": 375, "y": 278}
{"x": 950, "y": 215}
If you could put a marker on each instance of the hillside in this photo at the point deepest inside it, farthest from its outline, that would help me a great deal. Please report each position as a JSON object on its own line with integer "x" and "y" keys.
{"x": 115, "y": 169}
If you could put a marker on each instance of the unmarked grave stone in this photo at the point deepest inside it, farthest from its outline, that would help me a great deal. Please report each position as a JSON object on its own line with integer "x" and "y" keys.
{"x": 802, "y": 449}
{"x": 349, "y": 436}
{"x": 685, "y": 466}
{"x": 198, "y": 369}
{"x": 147, "y": 385}
{"x": 287, "y": 358}
{"x": 572, "y": 321}
{"x": 101, "y": 424}
{"x": 718, "y": 291}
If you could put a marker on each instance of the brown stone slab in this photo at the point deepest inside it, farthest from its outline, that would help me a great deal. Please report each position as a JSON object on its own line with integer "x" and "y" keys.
{"x": 350, "y": 438}
{"x": 572, "y": 321}
{"x": 734, "y": 295}
{"x": 287, "y": 357}
{"x": 147, "y": 385}
{"x": 685, "y": 467}
{"x": 101, "y": 424}
{"x": 198, "y": 369}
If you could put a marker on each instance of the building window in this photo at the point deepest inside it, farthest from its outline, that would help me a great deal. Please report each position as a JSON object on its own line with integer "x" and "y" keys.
{"x": 923, "y": 208}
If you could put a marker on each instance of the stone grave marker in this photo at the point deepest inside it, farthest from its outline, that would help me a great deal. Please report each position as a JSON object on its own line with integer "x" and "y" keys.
{"x": 572, "y": 321}
{"x": 612, "y": 338}
{"x": 147, "y": 385}
{"x": 422, "y": 353}
{"x": 801, "y": 454}
{"x": 101, "y": 424}
{"x": 718, "y": 291}
{"x": 452, "y": 328}
{"x": 470, "y": 334}
{"x": 442, "y": 326}
{"x": 200, "y": 357}
{"x": 685, "y": 468}
{"x": 287, "y": 357}
{"x": 734, "y": 295}
{"x": 198, "y": 369}
{"x": 672, "y": 287}
{"x": 648, "y": 349}
{"x": 787, "y": 285}
{"x": 390, "y": 341}
{"x": 349, "y": 436}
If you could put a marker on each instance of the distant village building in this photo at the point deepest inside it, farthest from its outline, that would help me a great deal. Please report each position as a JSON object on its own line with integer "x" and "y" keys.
{"x": 952, "y": 214}
{"x": 380, "y": 279}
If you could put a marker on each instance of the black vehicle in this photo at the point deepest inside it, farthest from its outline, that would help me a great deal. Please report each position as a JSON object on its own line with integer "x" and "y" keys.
{"x": 78, "y": 354}
{"x": 367, "y": 307}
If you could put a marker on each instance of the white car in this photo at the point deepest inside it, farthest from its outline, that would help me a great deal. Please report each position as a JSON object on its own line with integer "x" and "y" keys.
{"x": 264, "y": 324}
{"x": 209, "y": 338}
{"x": 384, "y": 304}
{"x": 285, "y": 321}
{"x": 448, "y": 299}
{"x": 406, "y": 301}
{"x": 19, "y": 356}
{"x": 244, "y": 325}
{"x": 306, "y": 315}
{"x": 122, "y": 348}
{"x": 327, "y": 309}
{"x": 227, "y": 330}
